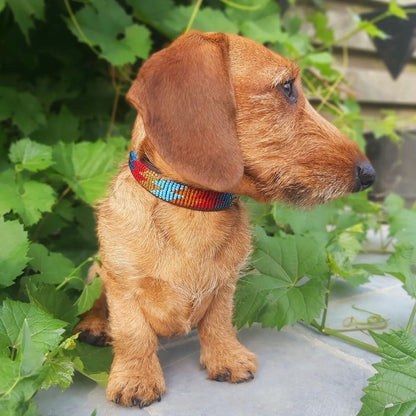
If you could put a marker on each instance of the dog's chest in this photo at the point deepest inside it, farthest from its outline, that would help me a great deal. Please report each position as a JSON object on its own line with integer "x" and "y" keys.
{"x": 201, "y": 251}
{"x": 189, "y": 266}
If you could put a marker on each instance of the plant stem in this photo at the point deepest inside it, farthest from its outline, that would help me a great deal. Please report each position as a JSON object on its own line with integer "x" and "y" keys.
{"x": 411, "y": 320}
{"x": 323, "y": 322}
{"x": 334, "y": 86}
{"x": 115, "y": 102}
{"x": 318, "y": 95}
{"x": 333, "y": 332}
{"x": 71, "y": 275}
{"x": 195, "y": 11}
{"x": 351, "y": 33}
{"x": 78, "y": 28}
{"x": 241, "y": 6}
{"x": 354, "y": 341}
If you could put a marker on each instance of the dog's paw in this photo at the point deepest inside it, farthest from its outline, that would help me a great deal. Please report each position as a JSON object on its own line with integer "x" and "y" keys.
{"x": 136, "y": 385}
{"x": 94, "y": 332}
{"x": 234, "y": 365}
{"x": 101, "y": 339}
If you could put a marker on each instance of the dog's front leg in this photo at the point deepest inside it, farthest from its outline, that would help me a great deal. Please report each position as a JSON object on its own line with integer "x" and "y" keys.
{"x": 136, "y": 378}
{"x": 221, "y": 353}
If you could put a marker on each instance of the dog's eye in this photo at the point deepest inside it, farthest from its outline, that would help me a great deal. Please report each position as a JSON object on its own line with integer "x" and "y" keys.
{"x": 288, "y": 89}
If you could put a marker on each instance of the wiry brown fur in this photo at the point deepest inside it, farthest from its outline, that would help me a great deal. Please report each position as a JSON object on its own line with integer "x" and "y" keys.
{"x": 209, "y": 115}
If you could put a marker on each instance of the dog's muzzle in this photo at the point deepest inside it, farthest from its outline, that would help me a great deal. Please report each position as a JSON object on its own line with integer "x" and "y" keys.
{"x": 365, "y": 176}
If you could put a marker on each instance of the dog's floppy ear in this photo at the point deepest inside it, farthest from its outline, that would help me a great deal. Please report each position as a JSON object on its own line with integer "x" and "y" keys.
{"x": 186, "y": 99}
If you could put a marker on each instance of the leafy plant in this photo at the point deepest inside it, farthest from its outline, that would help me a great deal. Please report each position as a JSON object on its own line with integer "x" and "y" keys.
{"x": 64, "y": 129}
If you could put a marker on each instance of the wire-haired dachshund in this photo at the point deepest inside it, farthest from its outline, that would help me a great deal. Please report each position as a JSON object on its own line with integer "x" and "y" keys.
{"x": 219, "y": 116}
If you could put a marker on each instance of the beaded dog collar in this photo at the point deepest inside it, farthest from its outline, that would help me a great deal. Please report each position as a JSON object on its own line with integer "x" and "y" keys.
{"x": 177, "y": 193}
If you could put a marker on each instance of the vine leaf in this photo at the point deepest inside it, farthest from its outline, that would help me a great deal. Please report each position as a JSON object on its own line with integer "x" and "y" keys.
{"x": 30, "y": 155}
{"x": 401, "y": 265}
{"x": 262, "y": 23}
{"x": 392, "y": 391}
{"x": 342, "y": 251}
{"x": 63, "y": 125}
{"x": 171, "y": 20}
{"x": 402, "y": 221}
{"x": 52, "y": 267}
{"x": 29, "y": 199}
{"x": 58, "y": 303}
{"x": 288, "y": 285}
{"x": 93, "y": 362}
{"x": 25, "y": 11}
{"x": 105, "y": 24}
{"x": 13, "y": 251}
{"x": 59, "y": 367}
{"x": 87, "y": 167}
{"x": 60, "y": 371}
{"x": 45, "y": 331}
{"x": 90, "y": 293}
{"x": 27, "y": 333}
{"x": 23, "y": 108}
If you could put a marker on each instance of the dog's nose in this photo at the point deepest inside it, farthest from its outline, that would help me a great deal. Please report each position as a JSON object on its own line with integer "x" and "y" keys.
{"x": 366, "y": 176}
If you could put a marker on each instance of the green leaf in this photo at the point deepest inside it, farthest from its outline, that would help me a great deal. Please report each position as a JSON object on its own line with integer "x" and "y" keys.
{"x": 290, "y": 285}
{"x": 343, "y": 250}
{"x": 265, "y": 29}
{"x": 29, "y": 199}
{"x": 12, "y": 406}
{"x": 87, "y": 167}
{"x": 36, "y": 198}
{"x": 371, "y": 29}
{"x": 53, "y": 267}
{"x": 320, "y": 23}
{"x": 23, "y": 108}
{"x": 301, "y": 221}
{"x": 58, "y": 303}
{"x": 172, "y": 20}
{"x": 93, "y": 362}
{"x": 91, "y": 292}
{"x": 60, "y": 371}
{"x": 26, "y": 335}
{"x": 13, "y": 250}
{"x": 30, "y": 155}
{"x": 160, "y": 14}
{"x": 16, "y": 391}
{"x": 401, "y": 264}
{"x": 45, "y": 332}
{"x": 402, "y": 221}
{"x": 25, "y": 11}
{"x": 396, "y": 10}
{"x": 209, "y": 20}
{"x": 251, "y": 9}
{"x": 105, "y": 24}
{"x": 63, "y": 126}
{"x": 394, "y": 203}
{"x": 391, "y": 392}
{"x": 30, "y": 357}
{"x": 319, "y": 59}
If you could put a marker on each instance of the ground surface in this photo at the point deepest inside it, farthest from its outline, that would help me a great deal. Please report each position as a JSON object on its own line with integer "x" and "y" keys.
{"x": 301, "y": 372}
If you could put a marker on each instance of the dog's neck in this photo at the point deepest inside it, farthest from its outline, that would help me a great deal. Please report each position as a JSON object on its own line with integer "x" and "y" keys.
{"x": 177, "y": 193}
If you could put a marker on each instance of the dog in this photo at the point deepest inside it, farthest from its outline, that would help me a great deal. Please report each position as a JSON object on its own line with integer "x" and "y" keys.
{"x": 219, "y": 116}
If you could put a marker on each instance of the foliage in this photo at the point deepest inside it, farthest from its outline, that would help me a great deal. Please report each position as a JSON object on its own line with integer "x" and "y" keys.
{"x": 398, "y": 350}
{"x": 64, "y": 129}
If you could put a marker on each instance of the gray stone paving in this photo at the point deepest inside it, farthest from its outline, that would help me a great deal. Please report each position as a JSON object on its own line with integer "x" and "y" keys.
{"x": 301, "y": 372}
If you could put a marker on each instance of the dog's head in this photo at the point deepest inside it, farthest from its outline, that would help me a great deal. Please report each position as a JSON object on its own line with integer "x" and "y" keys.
{"x": 226, "y": 113}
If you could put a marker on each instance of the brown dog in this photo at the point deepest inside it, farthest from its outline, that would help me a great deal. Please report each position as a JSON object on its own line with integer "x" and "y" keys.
{"x": 215, "y": 112}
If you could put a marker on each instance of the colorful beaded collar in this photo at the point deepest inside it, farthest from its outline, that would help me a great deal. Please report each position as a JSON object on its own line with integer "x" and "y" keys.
{"x": 177, "y": 193}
